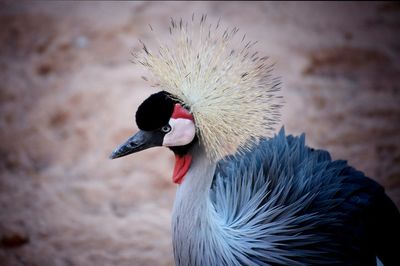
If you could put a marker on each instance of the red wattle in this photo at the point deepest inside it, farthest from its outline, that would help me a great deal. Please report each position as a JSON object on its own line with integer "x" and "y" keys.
{"x": 182, "y": 164}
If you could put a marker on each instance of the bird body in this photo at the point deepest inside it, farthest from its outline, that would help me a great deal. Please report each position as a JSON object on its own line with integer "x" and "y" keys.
{"x": 246, "y": 197}
{"x": 281, "y": 203}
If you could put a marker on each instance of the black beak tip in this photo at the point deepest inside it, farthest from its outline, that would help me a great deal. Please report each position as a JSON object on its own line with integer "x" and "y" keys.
{"x": 120, "y": 152}
{"x": 140, "y": 141}
{"x": 114, "y": 155}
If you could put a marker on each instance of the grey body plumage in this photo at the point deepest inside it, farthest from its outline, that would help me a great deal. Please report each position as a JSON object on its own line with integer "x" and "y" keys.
{"x": 282, "y": 203}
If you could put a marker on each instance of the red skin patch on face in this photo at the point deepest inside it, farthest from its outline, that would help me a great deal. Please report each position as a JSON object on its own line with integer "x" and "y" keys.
{"x": 182, "y": 163}
{"x": 180, "y": 112}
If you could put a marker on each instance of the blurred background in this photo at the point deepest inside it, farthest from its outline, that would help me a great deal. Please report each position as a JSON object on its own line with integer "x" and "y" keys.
{"x": 68, "y": 95}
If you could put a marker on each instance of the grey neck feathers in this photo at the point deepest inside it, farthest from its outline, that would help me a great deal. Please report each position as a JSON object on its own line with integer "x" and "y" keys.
{"x": 194, "y": 221}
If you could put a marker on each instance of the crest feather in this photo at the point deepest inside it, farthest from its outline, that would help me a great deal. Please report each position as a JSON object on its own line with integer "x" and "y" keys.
{"x": 230, "y": 91}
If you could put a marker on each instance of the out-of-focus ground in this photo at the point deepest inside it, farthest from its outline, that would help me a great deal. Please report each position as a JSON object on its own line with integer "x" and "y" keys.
{"x": 68, "y": 94}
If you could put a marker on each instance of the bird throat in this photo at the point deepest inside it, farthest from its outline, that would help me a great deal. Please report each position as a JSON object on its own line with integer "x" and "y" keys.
{"x": 182, "y": 164}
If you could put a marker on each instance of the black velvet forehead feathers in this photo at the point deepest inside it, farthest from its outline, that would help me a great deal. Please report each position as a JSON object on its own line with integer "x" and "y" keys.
{"x": 155, "y": 111}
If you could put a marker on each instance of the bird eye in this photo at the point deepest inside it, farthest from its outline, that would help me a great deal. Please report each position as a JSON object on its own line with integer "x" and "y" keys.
{"x": 166, "y": 129}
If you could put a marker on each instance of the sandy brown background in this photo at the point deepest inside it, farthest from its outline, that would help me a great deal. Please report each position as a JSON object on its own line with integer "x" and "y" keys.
{"x": 68, "y": 94}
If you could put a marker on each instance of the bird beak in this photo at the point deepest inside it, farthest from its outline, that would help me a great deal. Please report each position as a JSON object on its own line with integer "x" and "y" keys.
{"x": 140, "y": 141}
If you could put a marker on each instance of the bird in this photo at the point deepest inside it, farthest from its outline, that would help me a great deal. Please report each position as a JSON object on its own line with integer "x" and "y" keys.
{"x": 247, "y": 194}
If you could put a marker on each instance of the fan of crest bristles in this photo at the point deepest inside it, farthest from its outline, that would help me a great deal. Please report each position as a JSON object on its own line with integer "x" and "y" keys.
{"x": 230, "y": 91}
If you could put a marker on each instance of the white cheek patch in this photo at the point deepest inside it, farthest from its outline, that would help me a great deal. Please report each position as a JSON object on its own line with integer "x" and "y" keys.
{"x": 182, "y": 132}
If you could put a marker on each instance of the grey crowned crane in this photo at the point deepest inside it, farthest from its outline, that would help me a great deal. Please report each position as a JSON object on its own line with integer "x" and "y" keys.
{"x": 245, "y": 197}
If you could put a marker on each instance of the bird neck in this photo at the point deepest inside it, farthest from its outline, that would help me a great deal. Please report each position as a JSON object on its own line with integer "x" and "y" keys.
{"x": 193, "y": 212}
{"x": 198, "y": 179}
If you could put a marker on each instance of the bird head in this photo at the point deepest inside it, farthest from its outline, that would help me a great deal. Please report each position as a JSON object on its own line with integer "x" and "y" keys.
{"x": 163, "y": 121}
{"x": 216, "y": 89}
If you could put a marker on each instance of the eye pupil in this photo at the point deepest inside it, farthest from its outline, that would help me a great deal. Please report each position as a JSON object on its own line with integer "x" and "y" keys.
{"x": 166, "y": 129}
